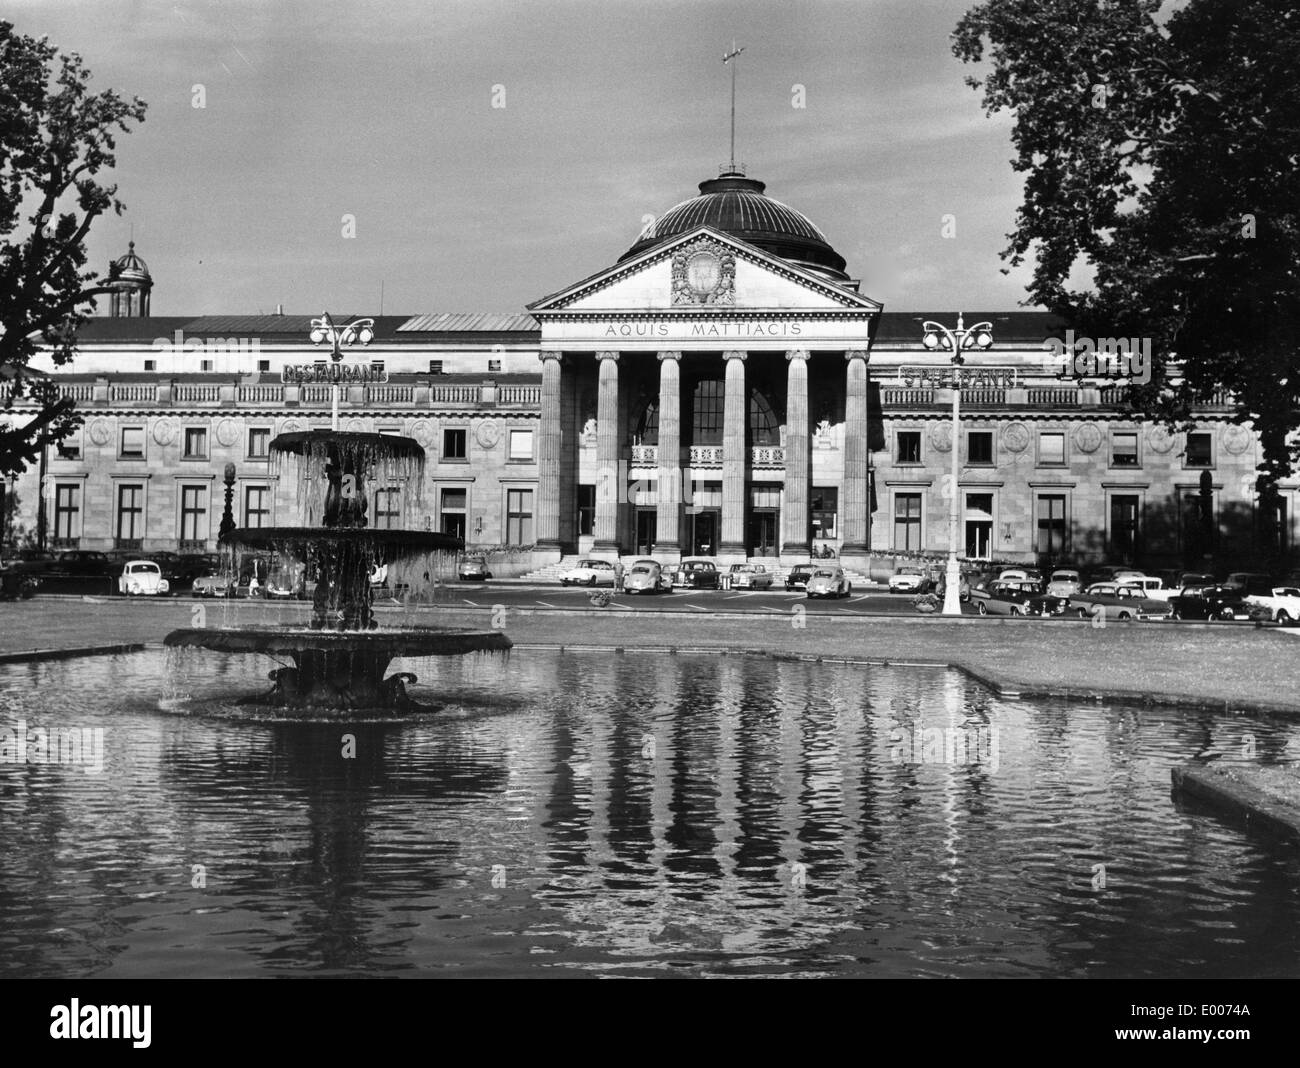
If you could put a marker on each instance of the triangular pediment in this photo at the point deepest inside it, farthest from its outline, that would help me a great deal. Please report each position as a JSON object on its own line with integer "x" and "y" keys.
{"x": 701, "y": 271}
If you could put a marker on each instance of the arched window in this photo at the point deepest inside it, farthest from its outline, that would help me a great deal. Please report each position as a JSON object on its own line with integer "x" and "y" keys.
{"x": 764, "y": 428}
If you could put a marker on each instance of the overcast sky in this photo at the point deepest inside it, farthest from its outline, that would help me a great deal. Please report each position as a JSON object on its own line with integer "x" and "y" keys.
{"x": 614, "y": 110}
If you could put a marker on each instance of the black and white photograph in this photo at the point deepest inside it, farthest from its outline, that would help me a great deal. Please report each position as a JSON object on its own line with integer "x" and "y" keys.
{"x": 589, "y": 490}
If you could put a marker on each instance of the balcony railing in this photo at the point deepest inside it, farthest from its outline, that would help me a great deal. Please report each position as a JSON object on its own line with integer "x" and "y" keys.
{"x": 645, "y": 455}
{"x": 390, "y": 394}
{"x": 454, "y": 394}
{"x": 767, "y": 456}
{"x": 197, "y": 394}
{"x": 984, "y": 398}
{"x": 522, "y": 395}
{"x": 261, "y": 394}
{"x": 134, "y": 393}
{"x": 706, "y": 455}
{"x": 1052, "y": 398}
{"x": 907, "y": 398}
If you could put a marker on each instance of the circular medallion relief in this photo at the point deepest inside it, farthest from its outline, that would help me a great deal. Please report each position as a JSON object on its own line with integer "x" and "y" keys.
{"x": 703, "y": 272}
{"x": 99, "y": 432}
{"x": 227, "y": 432}
{"x": 488, "y": 433}
{"x": 1236, "y": 440}
{"x": 941, "y": 436}
{"x": 165, "y": 431}
{"x": 357, "y": 426}
{"x": 1087, "y": 438}
{"x": 1160, "y": 439}
{"x": 290, "y": 426}
{"x": 1016, "y": 437}
{"x": 423, "y": 432}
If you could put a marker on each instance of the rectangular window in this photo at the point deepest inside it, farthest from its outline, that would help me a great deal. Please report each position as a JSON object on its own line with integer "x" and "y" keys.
{"x": 1051, "y": 449}
{"x": 1051, "y": 525}
{"x": 452, "y": 507}
{"x": 388, "y": 509}
{"x": 1124, "y": 448}
{"x": 1200, "y": 450}
{"x": 909, "y": 447}
{"x": 521, "y": 445}
{"x": 130, "y": 513}
{"x": 453, "y": 444}
{"x": 706, "y": 418}
{"x": 1125, "y": 527}
{"x": 259, "y": 442}
{"x": 907, "y": 521}
{"x": 67, "y": 512}
{"x": 205, "y": 365}
{"x": 257, "y": 506}
{"x": 70, "y": 447}
{"x": 519, "y": 517}
{"x": 263, "y": 365}
{"x": 824, "y": 509}
{"x": 151, "y": 365}
{"x": 494, "y": 365}
{"x": 196, "y": 443}
{"x": 435, "y": 367}
{"x": 979, "y": 447}
{"x": 586, "y": 509}
{"x": 194, "y": 513}
{"x": 132, "y": 443}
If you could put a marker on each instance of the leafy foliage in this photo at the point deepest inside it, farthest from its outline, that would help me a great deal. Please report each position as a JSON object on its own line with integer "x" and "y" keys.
{"x": 55, "y": 137}
{"x": 1164, "y": 153}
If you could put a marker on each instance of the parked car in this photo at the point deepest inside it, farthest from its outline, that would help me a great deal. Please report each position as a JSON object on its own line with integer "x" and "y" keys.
{"x": 798, "y": 576}
{"x": 1119, "y": 601}
{"x": 1150, "y": 586}
{"x": 1282, "y": 605}
{"x": 751, "y": 577}
{"x": 1063, "y": 582}
{"x": 191, "y": 565}
{"x": 1192, "y": 581}
{"x": 1212, "y": 602}
{"x": 142, "y": 578}
{"x": 216, "y": 583}
{"x": 589, "y": 573}
{"x": 35, "y": 561}
{"x": 1240, "y": 580}
{"x": 288, "y": 580}
{"x": 83, "y": 562}
{"x": 910, "y": 580}
{"x": 646, "y": 576}
{"x": 1011, "y": 597}
{"x": 828, "y": 582}
{"x": 473, "y": 569}
{"x": 695, "y": 573}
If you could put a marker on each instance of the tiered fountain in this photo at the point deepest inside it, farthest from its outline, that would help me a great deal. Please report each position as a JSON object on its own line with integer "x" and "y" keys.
{"x": 340, "y": 658}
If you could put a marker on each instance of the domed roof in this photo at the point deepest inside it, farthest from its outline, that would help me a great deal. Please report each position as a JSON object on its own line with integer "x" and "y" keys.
{"x": 736, "y": 205}
{"x": 129, "y": 266}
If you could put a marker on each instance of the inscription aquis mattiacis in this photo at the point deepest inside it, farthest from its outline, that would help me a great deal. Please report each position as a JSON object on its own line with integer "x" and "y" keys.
{"x": 734, "y": 329}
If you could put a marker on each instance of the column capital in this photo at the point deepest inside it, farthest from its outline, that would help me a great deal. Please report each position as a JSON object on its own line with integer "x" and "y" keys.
{"x": 735, "y": 354}
{"x": 544, "y": 356}
{"x": 858, "y": 354}
{"x": 607, "y": 356}
{"x": 670, "y": 354}
{"x": 797, "y": 354}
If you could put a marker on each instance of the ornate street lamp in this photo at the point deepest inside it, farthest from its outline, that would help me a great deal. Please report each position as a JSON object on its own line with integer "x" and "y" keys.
{"x": 938, "y": 336}
{"x": 323, "y": 330}
{"x": 227, "y": 517}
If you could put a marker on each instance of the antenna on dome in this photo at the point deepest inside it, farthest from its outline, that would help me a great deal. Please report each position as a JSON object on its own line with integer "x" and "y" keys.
{"x": 731, "y": 167}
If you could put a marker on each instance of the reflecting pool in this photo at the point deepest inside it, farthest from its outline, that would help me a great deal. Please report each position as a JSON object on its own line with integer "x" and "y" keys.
{"x": 623, "y": 814}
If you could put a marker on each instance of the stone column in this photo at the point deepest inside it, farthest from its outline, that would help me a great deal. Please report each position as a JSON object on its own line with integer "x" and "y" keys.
{"x": 855, "y": 491}
{"x": 794, "y": 540}
{"x": 735, "y": 415}
{"x": 548, "y": 458}
{"x": 607, "y": 449}
{"x": 668, "y": 519}
{"x": 569, "y": 435}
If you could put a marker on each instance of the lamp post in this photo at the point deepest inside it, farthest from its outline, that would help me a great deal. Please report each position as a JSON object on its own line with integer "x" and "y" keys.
{"x": 324, "y": 329}
{"x": 227, "y": 526}
{"x": 937, "y": 336}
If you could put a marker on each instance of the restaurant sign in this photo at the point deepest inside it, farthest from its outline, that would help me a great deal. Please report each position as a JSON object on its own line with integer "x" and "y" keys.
{"x": 344, "y": 374}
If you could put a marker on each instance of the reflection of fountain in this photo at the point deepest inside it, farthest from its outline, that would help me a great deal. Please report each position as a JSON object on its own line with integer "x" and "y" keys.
{"x": 339, "y": 661}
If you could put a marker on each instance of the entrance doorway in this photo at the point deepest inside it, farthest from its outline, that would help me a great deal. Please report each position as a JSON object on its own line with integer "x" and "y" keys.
{"x": 705, "y": 526}
{"x": 762, "y": 532}
{"x": 646, "y": 521}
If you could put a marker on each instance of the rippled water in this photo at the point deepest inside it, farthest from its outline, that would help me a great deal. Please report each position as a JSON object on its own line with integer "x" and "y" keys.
{"x": 588, "y": 813}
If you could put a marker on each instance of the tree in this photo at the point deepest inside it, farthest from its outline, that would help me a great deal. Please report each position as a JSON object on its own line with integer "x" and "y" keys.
{"x": 1165, "y": 154}
{"x": 55, "y": 137}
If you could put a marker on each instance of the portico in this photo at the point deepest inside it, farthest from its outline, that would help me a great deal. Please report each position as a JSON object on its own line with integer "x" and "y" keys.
{"x": 714, "y": 391}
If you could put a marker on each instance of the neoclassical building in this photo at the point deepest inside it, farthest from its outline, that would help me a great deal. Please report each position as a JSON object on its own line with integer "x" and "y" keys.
{"x": 722, "y": 388}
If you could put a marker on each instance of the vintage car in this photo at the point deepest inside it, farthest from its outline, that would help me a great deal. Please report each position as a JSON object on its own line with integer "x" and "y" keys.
{"x": 83, "y": 562}
{"x": 589, "y": 573}
{"x": 473, "y": 569}
{"x": 288, "y": 580}
{"x": 142, "y": 578}
{"x": 216, "y": 583}
{"x": 1005, "y": 597}
{"x": 1281, "y": 605}
{"x": 827, "y": 581}
{"x": 646, "y": 576}
{"x": 798, "y": 577}
{"x": 910, "y": 580}
{"x": 751, "y": 577}
{"x": 1212, "y": 602}
{"x": 1150, "y": 586}
{"x": 1063, "y": 582}
{"x": 695, "y": 573}
{"x": 1115, "y": 600}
